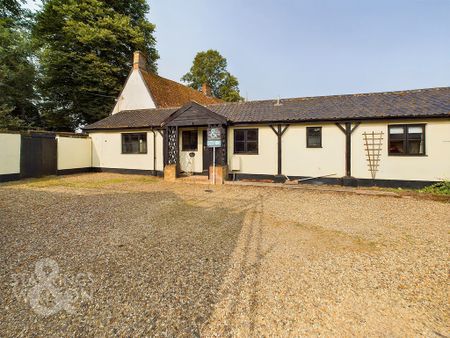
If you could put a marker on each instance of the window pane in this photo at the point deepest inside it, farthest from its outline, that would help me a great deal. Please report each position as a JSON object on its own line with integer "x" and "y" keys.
{"x": 416, "y": 140}
{"x": 252, "y": 147}
{"x": 396, "y": 130}
{"x": 415, "y": 147}
{"x": 189, "y": 140}
{"x": 239, "y": 147}
{"x": 415, "y": 129}
{"x": 252, "y": 135}
{"x": 314, "y": 141}
{"x": 396, "y": 147}
{"x": 142, "y": 146}
{"x": 239, "y": 135}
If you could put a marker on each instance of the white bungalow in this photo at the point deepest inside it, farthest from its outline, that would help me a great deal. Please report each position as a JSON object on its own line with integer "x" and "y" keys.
{"x": 159, "y": 127}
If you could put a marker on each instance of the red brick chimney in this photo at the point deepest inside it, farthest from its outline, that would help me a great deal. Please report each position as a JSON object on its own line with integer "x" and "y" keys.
{"x": 206, "y": 89}
{"x": 139, "y": 61}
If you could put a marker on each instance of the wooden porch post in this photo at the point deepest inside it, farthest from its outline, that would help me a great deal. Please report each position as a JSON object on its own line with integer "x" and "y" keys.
{"x": 348, "y": 130}
{"x": 279, "y": 132}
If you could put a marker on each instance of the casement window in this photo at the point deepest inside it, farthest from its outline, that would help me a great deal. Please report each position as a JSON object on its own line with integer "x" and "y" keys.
{"x": 314, "y": 137}
{"x": 246, "y": 141}
{"x": 134, "y": 143}
{"x": 189, "y": 140}
{"x": 406, "y": 140}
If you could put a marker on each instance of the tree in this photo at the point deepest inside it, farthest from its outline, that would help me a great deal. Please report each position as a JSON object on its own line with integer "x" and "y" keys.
{"x": 17, "y": 71}
{"x": 85, "y": 53}
{"x": 210, "y": 68}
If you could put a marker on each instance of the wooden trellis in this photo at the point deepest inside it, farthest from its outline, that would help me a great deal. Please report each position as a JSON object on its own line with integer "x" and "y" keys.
{"x": 373, "y": 143}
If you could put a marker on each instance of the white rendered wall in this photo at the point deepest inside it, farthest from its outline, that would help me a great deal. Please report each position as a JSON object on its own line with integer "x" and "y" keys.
{"x": 74, "y": 152}
{"x": 265, "y": 162}
{"x": 10, "y": 153}
{"x": 134, "y": 94}
{"x": 298, "y": 160}
{"x": 434, "y": 166}
{"x": 107, "y": 152}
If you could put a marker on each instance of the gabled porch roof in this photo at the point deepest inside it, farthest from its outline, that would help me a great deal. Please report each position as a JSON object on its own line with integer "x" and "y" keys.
{"x": 194, "y": 114}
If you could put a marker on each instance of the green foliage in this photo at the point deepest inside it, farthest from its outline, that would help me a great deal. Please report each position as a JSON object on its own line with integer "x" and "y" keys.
{"x": 17, "y": 71}
{"x": 440, "y": 188}
{"x": 210, "y": 67}
{"x": 85, "y": 49}
{"x": 10, "y": 9}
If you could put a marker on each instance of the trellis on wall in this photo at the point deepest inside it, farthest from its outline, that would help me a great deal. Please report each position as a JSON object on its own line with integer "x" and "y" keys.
{"x": 373, "y": 143}
{"x": 172, "y": 145}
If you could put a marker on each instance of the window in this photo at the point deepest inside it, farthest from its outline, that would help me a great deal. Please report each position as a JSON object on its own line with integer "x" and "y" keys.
{"x": 407, "y": 140}
{"x": 246, "y": 141}
{"x": 189, "y": 140}
{"x": 314, "y": 137}
{"x": 134, "y": 143}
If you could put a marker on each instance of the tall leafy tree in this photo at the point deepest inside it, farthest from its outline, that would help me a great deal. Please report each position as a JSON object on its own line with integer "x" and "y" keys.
{"x": 210, "y": 68}
{"x": 85, "y": 54}
{"x": 17, "y": 71}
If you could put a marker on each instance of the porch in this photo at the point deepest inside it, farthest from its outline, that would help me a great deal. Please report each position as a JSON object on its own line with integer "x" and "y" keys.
{"x": 186, "y": 150}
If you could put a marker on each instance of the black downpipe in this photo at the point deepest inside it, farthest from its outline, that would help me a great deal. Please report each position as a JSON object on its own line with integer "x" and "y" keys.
{"x": 154, "y": 152}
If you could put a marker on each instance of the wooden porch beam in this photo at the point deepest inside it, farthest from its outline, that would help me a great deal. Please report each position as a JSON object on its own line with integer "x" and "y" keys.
{"x": 348, "y": 130}
{"x": 279, "y": 132}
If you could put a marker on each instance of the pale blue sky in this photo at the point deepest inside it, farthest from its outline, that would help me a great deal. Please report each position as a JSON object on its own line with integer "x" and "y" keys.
{"x": 310, "y": 47}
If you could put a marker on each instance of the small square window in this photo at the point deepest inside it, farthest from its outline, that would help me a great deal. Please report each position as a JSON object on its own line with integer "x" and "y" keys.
{"x": 314, "y": 137}
{"x": 189, "y": 140}
{"x": 246, "y": 141}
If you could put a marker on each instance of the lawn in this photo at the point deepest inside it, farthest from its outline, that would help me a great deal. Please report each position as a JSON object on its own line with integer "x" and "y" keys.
{"x": 138, "y": 256}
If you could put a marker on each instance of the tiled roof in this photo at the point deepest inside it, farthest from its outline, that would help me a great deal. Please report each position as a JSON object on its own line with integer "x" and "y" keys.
{"x": 410, "y": 103}
{"x": 133, "y": 119}
{"x": 433, "y": 102}
{"x": 167, "y": 93}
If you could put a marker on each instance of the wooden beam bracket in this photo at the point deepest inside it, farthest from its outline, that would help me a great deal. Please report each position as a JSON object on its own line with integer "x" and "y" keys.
{"x": 279, "y": 132}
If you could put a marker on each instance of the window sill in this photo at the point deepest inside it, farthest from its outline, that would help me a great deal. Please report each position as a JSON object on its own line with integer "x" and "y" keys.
{"x": 245, "y": 153}
{"x": 407, "y": 155}
{"x": 133, "y": 153}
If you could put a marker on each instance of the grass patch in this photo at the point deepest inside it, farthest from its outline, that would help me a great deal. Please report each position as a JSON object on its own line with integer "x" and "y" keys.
{"x": 76, "y": 183}
{"x": 440, "y": 188}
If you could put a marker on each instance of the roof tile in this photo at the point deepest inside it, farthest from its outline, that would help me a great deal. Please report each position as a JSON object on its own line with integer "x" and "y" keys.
{"x": 433, "y": 102}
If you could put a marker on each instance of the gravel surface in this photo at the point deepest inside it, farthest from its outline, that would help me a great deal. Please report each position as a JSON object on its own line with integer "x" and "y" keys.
{"x": 138, "y": 256}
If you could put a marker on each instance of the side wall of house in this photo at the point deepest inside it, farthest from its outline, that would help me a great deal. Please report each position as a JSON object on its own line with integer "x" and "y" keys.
{"x": 74, "y": 152}
{"x": 298, "y": 160}
{"x": 434, "y": 166}
{"x": 134, "y": 94}
{"x": 107, "y": 151}
{"x": 265, "y": 162}
{"x": 9, "y": 154}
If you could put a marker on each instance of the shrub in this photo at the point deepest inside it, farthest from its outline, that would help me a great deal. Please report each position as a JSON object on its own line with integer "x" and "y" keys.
{"x": 440, "y": 188}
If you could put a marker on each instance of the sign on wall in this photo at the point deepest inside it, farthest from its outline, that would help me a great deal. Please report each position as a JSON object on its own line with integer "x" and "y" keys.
{"x": 214, "y": 139}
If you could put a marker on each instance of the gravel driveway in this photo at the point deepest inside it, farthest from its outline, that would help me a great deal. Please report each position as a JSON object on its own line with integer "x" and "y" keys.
{"x": 106, "y": 254}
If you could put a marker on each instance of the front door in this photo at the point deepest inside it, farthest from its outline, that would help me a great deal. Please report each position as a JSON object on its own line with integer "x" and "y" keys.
{"x": 207, "y": 154}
